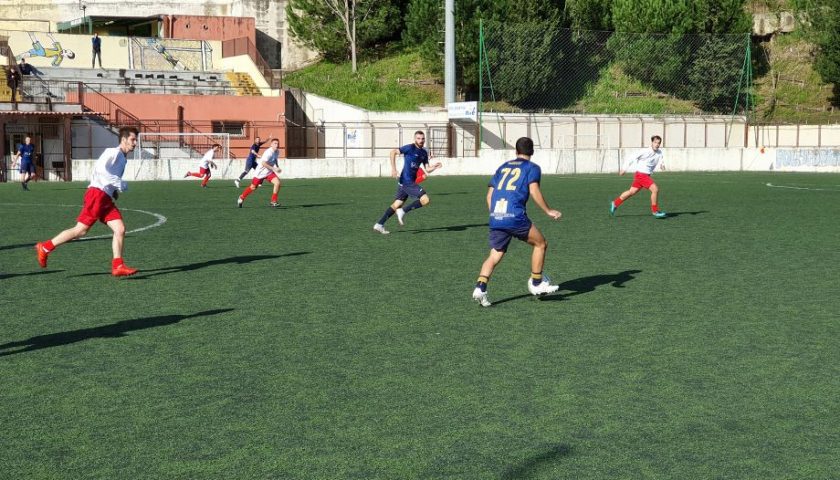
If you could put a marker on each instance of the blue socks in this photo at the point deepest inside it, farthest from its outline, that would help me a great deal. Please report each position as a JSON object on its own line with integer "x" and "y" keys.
{"x": 388, "y": 213}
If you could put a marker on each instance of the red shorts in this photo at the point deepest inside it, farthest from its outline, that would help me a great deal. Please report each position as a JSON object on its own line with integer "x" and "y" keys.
{"x": 98, "y": 206}
{"x": 642, "y": 180}
{"x": 258, "y": 181}
{"x": 203, "y": 171}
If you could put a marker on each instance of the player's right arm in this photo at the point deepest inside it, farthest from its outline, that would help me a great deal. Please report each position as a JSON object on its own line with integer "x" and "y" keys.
{"x": 536, "y": 194}
{"x": 394, "y": 154}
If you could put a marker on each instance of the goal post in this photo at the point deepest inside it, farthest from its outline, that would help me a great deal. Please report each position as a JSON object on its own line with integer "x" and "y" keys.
{"x": 181, "y": 151}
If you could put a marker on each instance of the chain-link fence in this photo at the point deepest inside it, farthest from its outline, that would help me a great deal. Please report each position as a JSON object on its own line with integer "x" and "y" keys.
{"x": 537, "y": 67}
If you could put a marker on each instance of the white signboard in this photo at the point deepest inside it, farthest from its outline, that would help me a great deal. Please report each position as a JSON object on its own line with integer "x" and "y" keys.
{"x": 463, "y": 111}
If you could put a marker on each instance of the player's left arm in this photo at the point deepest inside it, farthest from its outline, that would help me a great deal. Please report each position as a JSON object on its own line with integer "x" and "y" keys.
{"x": 537, "y": 195}
{"x": 489, "y": 198}
{"x": 662, "y": 163}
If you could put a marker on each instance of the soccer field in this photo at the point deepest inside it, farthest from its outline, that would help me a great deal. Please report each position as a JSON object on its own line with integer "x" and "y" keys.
{"x": 297, "y": 343}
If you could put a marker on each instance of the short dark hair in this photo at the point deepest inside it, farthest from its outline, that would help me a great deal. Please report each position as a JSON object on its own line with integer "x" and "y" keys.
{"x": 420, "y": 132}
{"x": 216, "y": 145}
{"x": 656, "y": 137}
{"x": 125, "y": 132}
{"x": 524, "y": 146}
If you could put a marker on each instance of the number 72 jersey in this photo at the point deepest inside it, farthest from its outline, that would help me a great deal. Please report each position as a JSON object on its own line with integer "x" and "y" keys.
{"x": 511, "y": 190}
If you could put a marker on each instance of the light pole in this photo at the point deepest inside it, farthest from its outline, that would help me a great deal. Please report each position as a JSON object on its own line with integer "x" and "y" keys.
{"x": 449, "y": 53}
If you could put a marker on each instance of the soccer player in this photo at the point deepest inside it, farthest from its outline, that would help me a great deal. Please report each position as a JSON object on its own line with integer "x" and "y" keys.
{"x": 267, "y": 170}
{"x": 414, "y": 156}
{"x": 27, "y": 166}
{"x": 645, "y": 162}
{"x": 204, "y": 166}
{"x": 106, "y": 183}
{"x": 251, "y": 161}
{"x": 514, "y": 182}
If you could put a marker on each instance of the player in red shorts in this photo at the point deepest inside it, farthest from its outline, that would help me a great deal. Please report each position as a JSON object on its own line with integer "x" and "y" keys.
{"x": 267, "y": 169}
{"x": 644, "y": 162}
{"x": 105, "y": 185}
{"x": 204, "y": 166}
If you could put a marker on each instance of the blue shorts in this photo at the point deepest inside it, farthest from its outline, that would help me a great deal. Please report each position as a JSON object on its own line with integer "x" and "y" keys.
{"x": 499, "y": 238}
{"x": 26, "y": 166}
{"x": 250, "y": 163}
{"x": 409, "y": 190}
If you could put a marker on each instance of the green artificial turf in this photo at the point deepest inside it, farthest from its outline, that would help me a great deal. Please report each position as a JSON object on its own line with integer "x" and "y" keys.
{"x": 298, "y": 343}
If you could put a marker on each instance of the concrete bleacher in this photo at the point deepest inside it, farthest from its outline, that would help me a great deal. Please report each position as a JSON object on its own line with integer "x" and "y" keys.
{"x": 54, "y": 80}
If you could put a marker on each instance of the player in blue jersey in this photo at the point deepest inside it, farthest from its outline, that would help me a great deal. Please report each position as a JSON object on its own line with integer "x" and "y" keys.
{"x": 514, "y": 182}
{"x": 26, "y": 155}
{"x": 251, "y": 161}
{"x": 414, "y": 156}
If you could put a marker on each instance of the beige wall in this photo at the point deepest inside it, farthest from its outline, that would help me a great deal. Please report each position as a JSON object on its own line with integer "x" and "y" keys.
{"x": 117, "y": 52}
{"x": 270, "y": 18}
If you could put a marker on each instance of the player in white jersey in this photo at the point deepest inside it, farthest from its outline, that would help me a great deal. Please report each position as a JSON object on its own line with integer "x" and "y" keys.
{"x": 267, "y": 169}
{"x": 204, "y": 165}
{"x": 106, "y": 183}
{"x": 644, "y": 162}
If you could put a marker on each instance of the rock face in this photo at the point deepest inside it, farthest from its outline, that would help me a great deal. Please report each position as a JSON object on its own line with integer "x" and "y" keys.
{"x": 770, "y": 23}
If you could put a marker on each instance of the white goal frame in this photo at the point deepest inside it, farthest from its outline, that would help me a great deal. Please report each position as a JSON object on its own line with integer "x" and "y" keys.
{"x": 184, "y": 148}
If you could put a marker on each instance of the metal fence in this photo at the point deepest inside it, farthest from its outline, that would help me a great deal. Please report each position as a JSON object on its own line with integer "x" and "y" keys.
{"x": 535, "y": 67}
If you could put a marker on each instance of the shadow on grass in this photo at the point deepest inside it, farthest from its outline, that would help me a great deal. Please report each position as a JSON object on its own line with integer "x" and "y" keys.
{"x": 114, "y": 330}
{"x": 19, "y": 245}
{"x": 669, "y": 214}
{"x": 241, "y": 260}
{"x": 580, "y": 286}
{"x": 528, "y": 467}
{"x": 311, "y": 205}
{"x": 443, "y": 194}
{"x": 6, "y": 276}
{"x": 451, "y": 228}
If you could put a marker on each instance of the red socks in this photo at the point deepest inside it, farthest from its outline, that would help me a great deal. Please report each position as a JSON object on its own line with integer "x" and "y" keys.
{"x": 245, "y": 193}
{"x": 654, "y": 208}
{"x": 204, "y": 182}
{"x": 48, "y": 246}
{"x": 274, "y": 197}
{"x": 618, "y": 201}
{"x": 116, "y": 262}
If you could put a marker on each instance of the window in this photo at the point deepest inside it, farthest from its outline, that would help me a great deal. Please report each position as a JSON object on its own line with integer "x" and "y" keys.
{"x": 233, "y": 128}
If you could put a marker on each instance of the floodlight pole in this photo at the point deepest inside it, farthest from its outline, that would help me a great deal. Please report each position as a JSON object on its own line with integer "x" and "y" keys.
{"x": 449, "y": 53}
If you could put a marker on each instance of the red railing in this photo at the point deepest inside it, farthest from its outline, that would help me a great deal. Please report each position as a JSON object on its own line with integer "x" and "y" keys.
{"x": 244, "y": 46}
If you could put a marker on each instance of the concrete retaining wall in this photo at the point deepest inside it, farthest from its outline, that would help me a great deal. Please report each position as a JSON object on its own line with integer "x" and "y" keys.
{"x": 552, "y": 162}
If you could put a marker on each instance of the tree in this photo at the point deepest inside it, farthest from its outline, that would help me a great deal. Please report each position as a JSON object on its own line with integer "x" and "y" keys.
{"x": 589, "y": 14}
{"x": 424, "y": 27}
{"x": 684, "y": 47}
{"x": 822, "y": 27}
{"x": 339, "y": 28}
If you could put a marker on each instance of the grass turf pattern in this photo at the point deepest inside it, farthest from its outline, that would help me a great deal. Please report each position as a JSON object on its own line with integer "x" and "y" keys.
{"x": 297, "y": 343}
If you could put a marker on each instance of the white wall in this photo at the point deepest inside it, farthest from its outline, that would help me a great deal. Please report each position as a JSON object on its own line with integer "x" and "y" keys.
{"x": 552, "y": 162}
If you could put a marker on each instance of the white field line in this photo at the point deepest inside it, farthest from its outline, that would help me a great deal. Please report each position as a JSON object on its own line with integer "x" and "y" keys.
{"x": 160, "y": 219}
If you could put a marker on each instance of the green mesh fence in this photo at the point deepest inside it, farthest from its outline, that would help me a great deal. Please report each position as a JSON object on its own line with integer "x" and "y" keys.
{"x": 535, "y": 67}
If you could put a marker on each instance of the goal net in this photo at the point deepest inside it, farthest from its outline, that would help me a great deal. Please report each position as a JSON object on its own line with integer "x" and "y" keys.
{"x": 168, "y": 155}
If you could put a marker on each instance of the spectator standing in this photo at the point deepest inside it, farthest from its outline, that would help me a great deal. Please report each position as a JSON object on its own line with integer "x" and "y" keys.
{"x": 96, "y": 43}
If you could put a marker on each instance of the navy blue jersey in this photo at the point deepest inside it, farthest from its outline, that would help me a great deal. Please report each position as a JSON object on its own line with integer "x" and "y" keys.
{"x": 26, "y": 151}
{"x": 414, "y": 157}
{"x": 255, "y": 148}
{"x": 511, "y": 190}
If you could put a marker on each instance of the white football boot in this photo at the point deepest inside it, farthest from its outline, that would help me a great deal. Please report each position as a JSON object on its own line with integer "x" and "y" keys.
{"x": 481, "y": 297}
{"x": 545, "y": 287}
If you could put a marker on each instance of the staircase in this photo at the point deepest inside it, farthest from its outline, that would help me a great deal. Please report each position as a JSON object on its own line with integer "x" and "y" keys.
{"x": 243, "y": 84}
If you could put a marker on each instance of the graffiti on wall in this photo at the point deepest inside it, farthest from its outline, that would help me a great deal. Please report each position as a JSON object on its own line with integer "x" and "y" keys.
{"x": 170, "y": 54}
{"x": 792, "y": 158}
{"x": 55, "y": 52}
